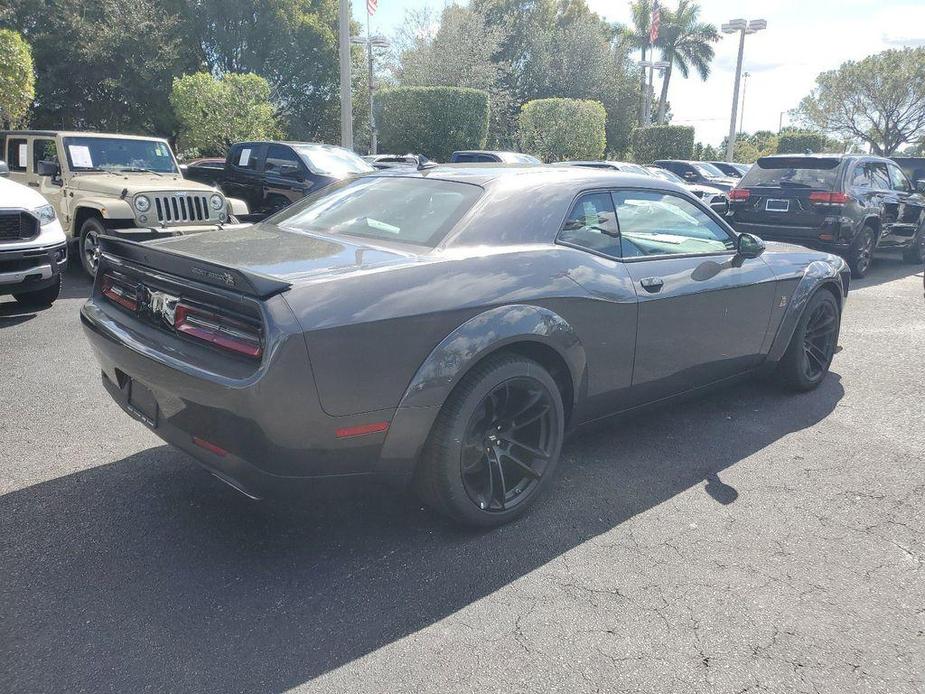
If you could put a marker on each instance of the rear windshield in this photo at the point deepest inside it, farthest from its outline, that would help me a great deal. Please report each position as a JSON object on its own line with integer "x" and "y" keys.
{"x": 334, "y": 161}
{"x": 797, "y": 172}
{"x": 418, "y": 211}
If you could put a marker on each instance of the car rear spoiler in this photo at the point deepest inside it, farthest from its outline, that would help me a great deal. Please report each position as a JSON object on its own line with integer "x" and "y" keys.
{"x": 191, "y": 267}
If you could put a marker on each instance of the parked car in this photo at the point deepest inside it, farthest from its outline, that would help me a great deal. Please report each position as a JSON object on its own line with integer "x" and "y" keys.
{"x": 207, "y": 170}
{"x": 125, "y": 185}
{"x": 698, "y": 172}
{"x": 714, "y": 197}
{"x": 391, "y": 161}
{"x": 848, "y": 204}
{"x": 446, "y": 327}
{"x": 731, "y": 168}
{"x": 33, "y": 249}
{"x": 478, "y": 156}
{"x": 271, "y": 175}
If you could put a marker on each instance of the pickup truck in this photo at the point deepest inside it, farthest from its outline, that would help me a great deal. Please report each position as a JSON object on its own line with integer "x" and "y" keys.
{"x": 269, "y": 176}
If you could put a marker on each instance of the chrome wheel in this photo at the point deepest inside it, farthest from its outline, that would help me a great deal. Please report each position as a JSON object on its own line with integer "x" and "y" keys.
{"x": 509, "y": 442}
{"x": 819, "y": 340}
{"x": 91, "y": 250}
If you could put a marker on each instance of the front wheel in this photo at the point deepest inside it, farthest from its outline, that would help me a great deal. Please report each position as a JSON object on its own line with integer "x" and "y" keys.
{"x": 812, "y": 346}
{"x": 90, "y": 233}
{"x": 495, "y": 443}
{"x": 916, "y": 252}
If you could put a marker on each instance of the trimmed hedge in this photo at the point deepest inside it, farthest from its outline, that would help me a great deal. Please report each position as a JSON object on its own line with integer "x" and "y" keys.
{"x": 663, "y": 142}
{"x": 562, "y": 129}
{"x": 799, "y": 142}
{"x": 433, "y": 121}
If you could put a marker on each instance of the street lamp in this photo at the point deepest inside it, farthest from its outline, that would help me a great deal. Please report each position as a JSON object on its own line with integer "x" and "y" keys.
{"x": 370, "y": 42}
{"x": 653, "y": 65}
{"x": 742, "y": 27}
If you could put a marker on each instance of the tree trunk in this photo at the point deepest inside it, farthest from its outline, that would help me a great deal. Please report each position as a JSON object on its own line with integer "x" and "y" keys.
{"x": 663, "y": 99}
{"x": 642, "y": 92}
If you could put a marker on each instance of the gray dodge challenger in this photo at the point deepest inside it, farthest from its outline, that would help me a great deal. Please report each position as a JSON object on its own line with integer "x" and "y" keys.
{"x": 447, "y": 327}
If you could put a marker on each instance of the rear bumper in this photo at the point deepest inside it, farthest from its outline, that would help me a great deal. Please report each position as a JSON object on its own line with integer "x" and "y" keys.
{"x": 32, "y": 269}
{"x": 837, "y": 235}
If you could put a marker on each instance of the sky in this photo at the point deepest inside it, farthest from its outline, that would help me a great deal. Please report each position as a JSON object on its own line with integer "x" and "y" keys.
{"x": 803, "y": 38}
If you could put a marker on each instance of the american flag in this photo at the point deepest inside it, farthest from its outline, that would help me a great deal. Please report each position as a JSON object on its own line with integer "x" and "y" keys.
{"x": 371, "y": 6}
{"x": 653, "y": 25}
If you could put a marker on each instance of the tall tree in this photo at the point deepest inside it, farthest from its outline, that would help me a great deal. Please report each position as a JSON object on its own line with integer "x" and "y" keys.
{"x": 879, "y": 100}
{"x": 687, "y": 43}
{"x": 17, "y": 79}
{"x": 635, "y": 35}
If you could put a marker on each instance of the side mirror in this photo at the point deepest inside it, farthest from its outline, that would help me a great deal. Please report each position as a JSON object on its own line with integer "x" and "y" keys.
{"x": 720, "y": 207}
{"x": 749, "y": 246}
{"x": 690, "y": 175}
{"x": 920, "y": 185}
{"x": 48, "y": 168}
{"x": 4, "y": 169}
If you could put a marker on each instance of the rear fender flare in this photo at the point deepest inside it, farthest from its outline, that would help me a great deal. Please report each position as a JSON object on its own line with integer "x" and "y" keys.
{"x": 450, "y": 360}
{"x": 818, "y": 274}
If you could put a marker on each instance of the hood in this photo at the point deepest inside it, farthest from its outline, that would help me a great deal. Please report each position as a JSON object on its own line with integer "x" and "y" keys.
{"x": 14, "y": 194}
{"x": 270, "y": 250}
{"x": 113, "y": 184}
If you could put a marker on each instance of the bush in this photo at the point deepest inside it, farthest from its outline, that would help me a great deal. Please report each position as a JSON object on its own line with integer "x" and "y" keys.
{"x": 562, "y": 129}
{"x": 663, "y": 142}
{"x": 797, "y": 142}
{"x": 433, "y": 121}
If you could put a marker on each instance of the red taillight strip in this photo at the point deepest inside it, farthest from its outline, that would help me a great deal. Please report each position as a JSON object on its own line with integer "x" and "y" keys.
{"x": 826, "y": 198}
{"x": 209, "y": 446}
{"x": 113, "y": 290}
{"x": 217, "y": 330}
{"x": 739, "y": 194}
{"x": 361, "y": 430}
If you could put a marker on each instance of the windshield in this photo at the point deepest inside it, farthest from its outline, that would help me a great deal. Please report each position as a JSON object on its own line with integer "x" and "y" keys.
{"x": 408, "y": 210}
{"x": 707, "y": 170}
{"x": 800, "y": 172}
{"x": 334, "y": 161}
{"x": 518, "y": 158}
{"x": 665, "y": 175}
{"x": 118, "y": 154}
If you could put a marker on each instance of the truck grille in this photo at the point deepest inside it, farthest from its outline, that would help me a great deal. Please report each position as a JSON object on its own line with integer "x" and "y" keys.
{"x": 181, "y": 209}
{"x": 15, "y": 224}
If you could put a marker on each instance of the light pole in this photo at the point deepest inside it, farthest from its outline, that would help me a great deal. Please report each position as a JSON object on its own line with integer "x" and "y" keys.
{"x": 343, "y": 43}
{"x": 742, "y": 27}
{"x": 653, "y": 65}
{"x": 379, "y": 42}
{"x": 742, "y": 113}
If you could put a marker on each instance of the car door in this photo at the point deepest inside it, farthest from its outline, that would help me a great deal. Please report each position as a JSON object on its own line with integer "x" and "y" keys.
{"x": 704, "y": 311}
{"x": 45, "y": 149}
{"x": 284, "y": 176}
{"x": 909, "y": 206}
{"x": 243, "y": 174}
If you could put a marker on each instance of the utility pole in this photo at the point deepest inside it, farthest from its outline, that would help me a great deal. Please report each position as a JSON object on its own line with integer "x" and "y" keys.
{"x": 373, "y": 135}
{"x": 742, "y": 114}
{"x": 346, "y": 105}
{"x": 742, "y": 27}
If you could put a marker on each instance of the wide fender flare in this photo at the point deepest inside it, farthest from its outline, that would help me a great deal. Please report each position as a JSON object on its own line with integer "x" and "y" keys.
{"x": 456, "y": 354}
{"x": 818, "y": 274}
{"x": 236, "y": 206}
{"x": 109, "y": 208}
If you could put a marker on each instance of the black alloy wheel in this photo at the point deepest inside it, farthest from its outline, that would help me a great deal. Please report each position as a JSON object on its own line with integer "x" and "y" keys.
{"x": 509, "y": 441}
{"x": 863, "y": 253}
{"x": 819, "y": 340}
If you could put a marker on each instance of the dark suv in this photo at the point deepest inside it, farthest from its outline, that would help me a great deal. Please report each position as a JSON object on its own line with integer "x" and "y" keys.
{"x": 848, "y": 204}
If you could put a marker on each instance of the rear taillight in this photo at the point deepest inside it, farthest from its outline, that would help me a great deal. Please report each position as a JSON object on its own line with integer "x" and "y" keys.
{"x": 217, "y": 330}
{"x": 739, "y": 194}
{"x": 825, "y": 198}
{"x": 119, "y": 292}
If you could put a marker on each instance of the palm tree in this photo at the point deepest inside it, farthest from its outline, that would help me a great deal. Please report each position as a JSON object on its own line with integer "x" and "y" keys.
{"x": 636, "y": 36}
{"x": 686, "y": 42}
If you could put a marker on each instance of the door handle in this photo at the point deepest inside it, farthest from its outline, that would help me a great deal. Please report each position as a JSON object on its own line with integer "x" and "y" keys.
{"x": 652, "y": 284}
{"x": 33, "y": 184}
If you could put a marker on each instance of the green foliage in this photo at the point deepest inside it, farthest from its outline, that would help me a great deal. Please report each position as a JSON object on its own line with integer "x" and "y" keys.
{"x": 215, "y": 113}
{"x": 563, "y": 129}
{"x": 748, "y": 147}
{"x": 704, "y": 152}
{"x": 433, "y": 121}
{"x": 663, "y": 142}
{"x": 799, "y": 141}
{"x": 878, "y": 100}
{"x": 17, "y": 79}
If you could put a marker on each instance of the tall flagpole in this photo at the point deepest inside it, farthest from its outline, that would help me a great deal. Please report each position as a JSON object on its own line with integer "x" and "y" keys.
{"x": 373, "y": 135}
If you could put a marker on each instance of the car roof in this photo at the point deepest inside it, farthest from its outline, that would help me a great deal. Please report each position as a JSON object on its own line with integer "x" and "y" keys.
{"x": 80, "y": 133}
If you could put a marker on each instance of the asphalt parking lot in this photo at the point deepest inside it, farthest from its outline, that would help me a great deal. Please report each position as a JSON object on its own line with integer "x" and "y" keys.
{"x": 750, "y": 541}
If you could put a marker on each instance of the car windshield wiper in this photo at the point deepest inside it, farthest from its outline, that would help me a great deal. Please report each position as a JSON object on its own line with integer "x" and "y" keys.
{"x": 138, "y": 169}
{"x": 794, "y": 184}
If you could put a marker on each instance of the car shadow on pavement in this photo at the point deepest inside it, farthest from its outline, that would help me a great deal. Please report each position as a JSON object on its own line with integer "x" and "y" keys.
{"x": 886, "y": 268}
{"x": 148, "y": 574}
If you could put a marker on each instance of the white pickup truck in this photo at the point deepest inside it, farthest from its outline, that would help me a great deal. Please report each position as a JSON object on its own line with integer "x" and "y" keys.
{"x": 33, "y": 248}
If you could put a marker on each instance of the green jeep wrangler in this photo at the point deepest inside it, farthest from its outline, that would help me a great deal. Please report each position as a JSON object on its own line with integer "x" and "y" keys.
{"x": 123, "y": 185}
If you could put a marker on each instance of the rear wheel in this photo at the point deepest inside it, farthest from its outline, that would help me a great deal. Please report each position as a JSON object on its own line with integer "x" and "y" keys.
{"x": 495, "y": 443}
{"x": 90, "y": 233}
{"x": 812, "y": 346}
{"x": 916, "y": 252}
{"x": 41, "y": 297}
{"x": 862, "y": 253}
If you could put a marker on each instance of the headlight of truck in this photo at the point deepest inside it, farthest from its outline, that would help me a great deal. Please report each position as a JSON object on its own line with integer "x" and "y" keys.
{"x": 45, "y": 213}
{"x": 142, "y": 203}
{"x": 216, "y": 202}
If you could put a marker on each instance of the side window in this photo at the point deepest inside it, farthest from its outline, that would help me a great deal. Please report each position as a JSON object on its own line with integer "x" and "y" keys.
{"x": 278, "y": 157}
{"x": 653, "y": 223}
{"x": 244, "y": 157}
{"x": 17, "y": 157}
{"x": 43, "y": 150}
{"x": 591, "y": 224}
{"x": 861, "y": 177}
{"x": 879, "y": 178}
{"x": 898, "y": 180}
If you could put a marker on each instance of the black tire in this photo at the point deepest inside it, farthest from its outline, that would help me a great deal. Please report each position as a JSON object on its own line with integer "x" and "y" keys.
{"x": 90, "y": 232}
{"x": 484, "y": 471}
{"x": 810, "y": 352}
{"x": 862, "y": 252}
{"x": 916, "y": 252}
{"x": 40, "y": 298}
